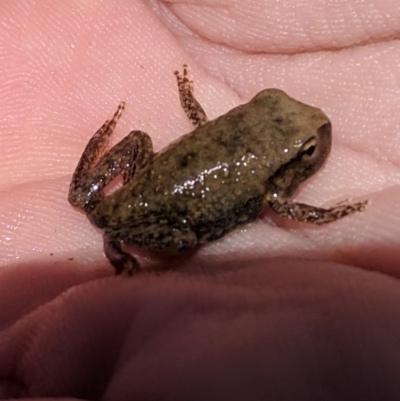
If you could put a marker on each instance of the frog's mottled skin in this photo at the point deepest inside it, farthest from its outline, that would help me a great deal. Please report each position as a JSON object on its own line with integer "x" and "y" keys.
{"x": 211, "y": 181}
{"x": 216, "y": 178}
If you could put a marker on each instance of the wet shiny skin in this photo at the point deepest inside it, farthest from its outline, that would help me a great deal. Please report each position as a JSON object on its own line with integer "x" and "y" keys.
{"x": 210, "y": 182}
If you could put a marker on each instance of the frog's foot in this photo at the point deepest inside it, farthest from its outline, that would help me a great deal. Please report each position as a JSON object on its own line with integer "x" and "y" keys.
{"x": 123, "y": 262}
{"x": 190, "y": 105}
{"x": 315, "y": 215}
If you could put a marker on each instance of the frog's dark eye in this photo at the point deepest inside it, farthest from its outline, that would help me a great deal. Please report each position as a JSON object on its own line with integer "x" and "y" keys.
{"x": 309, "y": 149}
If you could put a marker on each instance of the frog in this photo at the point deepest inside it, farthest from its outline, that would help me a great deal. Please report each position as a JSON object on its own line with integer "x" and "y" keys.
{"x": 219, "y": 177}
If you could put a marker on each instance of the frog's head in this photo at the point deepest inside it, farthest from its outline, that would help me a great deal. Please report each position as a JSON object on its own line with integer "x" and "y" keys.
{"x": 306, "y": 134}
{"x": 310, "y": 157}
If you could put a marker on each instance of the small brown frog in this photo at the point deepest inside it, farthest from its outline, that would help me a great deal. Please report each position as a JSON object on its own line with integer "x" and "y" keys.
{"x": 209, "y": 182}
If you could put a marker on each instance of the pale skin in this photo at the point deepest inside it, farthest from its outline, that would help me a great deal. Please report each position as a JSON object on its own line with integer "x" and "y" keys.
{"x": 53, "y": 119}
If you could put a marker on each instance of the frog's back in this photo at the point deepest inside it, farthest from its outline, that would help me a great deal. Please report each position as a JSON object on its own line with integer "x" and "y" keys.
{"x": 214, "y": 176}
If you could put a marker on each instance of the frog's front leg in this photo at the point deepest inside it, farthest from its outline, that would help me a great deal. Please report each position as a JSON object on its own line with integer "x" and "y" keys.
{"x": 316, "y": 215}
{"x": 190, "y": 105}
{"x": 96, "y": 169}
{"x": 165, "y": 235}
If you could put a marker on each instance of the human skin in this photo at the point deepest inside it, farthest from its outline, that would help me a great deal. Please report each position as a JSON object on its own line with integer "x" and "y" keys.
{"x": 278, "y": 310}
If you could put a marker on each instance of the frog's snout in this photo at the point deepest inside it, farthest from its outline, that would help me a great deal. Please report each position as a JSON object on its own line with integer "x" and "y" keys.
{"x": 326, "y": 129}
{"x": 325, "y": 139}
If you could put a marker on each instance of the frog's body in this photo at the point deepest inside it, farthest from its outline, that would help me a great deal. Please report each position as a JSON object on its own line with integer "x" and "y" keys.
{"x": 209, "y": 182}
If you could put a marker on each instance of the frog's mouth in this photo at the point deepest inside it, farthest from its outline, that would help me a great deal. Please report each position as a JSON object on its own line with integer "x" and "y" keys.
{"x": 308, "y": 160}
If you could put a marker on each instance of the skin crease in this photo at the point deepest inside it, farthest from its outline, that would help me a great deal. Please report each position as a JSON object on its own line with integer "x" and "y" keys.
{"x": 236, "y": 321}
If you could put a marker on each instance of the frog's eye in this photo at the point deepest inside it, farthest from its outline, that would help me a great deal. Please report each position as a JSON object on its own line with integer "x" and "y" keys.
{"x": 309, "y": 149}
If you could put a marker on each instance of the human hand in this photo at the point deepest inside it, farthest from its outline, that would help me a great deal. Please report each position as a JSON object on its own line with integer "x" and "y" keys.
{"x": 67, "y": 69}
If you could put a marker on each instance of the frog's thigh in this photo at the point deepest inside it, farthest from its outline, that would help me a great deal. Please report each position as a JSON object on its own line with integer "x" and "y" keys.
{"x": 128, "y": 157}
{"x": 165, "y": 236}
{"x": 316, "y": 215}
{"x": 190, "y": 105}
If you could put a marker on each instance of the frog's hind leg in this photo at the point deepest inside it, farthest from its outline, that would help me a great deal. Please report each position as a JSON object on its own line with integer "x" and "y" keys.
{"x": 190, "y": 105}
{"x": 316, "y": 215}
{"x": 123, "y": 262}
{"x": 128, "y": 157}
{"x": 78, "y": 191}
{"x": 163, "y": 236}
{"x": 96, "y": 169}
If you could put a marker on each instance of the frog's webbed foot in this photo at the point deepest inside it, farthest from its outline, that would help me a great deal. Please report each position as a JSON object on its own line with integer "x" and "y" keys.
{"x": 190, "y": 105}
{"x": 164, "y": 236}
{"x": 316, "y": 215}
{"x": 97, "y": 168}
